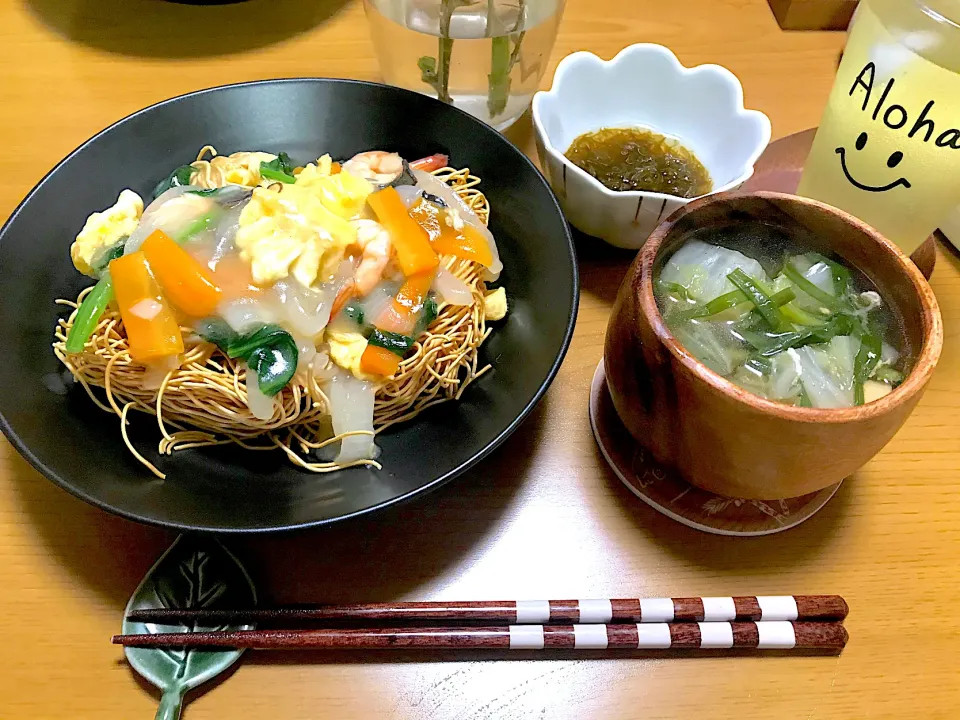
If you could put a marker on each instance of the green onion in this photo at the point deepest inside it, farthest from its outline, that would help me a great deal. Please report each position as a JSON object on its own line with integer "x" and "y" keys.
{"x": 748, "y": 286}
{"x": 731, "y": 300}
{"x": 821, "y": 296}
{"x": 88, "y": 315}
{"x": 838, "y": 325}
{"x": 841, "y": 276}
{"x": 394, "y": 342}
{"x": 674, "y": 289}
{"x": 799, "y": 316}
{"x": 864, "y": 364}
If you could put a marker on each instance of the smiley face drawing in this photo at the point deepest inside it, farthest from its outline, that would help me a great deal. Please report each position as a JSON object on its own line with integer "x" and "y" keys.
{"x": 892, "y": 162}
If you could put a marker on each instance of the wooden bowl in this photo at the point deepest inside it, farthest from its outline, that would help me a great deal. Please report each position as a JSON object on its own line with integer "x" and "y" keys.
{"x": 725, "y": 439}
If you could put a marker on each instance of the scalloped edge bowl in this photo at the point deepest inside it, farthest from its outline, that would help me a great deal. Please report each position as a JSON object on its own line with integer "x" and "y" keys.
{"x": 644, "y": 85}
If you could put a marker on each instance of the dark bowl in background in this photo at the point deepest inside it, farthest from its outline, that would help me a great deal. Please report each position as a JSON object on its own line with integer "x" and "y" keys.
{"x": 79, "y": 447}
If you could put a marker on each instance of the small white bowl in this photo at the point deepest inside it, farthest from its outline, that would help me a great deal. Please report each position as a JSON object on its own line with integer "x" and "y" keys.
{"x": 643, "y": 86}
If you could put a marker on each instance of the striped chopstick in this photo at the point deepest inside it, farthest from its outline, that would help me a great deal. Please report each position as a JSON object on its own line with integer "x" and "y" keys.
{"x": 763, "y": 635}
{"x": 537, "y": 612}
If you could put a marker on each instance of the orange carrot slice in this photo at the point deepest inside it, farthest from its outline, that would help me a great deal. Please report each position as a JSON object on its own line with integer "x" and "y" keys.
{"x": 152, "y": 330}
{"x": 410, "y": 241}
{"x": 187, "y": 284}
{"x": 379, "y": 361}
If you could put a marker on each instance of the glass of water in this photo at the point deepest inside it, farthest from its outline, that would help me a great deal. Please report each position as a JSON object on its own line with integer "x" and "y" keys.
{"x": 483, "y": 56}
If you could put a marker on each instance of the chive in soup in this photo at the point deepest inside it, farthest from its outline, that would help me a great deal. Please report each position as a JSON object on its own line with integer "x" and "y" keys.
{"x": 781, "y": 321}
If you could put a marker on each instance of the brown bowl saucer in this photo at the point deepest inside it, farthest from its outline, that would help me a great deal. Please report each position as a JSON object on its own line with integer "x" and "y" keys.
{"x": 663, "y": 489}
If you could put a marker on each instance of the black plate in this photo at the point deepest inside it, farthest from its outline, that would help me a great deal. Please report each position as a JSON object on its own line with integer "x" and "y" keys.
{"x": 79, "y": 447}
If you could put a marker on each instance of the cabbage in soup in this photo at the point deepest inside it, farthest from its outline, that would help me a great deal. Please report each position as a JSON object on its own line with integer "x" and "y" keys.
{"x": 792, "y": 326}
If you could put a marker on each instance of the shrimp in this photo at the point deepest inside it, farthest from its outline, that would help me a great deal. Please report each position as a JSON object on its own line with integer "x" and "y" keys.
{"x": 430, "y": 163}
{"x": 375, "y": 241}
{"x": 376, "y": 166}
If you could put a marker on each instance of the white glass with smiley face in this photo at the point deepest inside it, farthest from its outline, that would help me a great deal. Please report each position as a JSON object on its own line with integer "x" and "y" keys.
{"x": 888, "y": 146}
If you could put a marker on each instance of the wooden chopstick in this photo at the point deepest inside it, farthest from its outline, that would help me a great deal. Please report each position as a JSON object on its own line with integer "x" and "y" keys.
{"x": 764, "y": 635}
{"x": 652, "y": 610}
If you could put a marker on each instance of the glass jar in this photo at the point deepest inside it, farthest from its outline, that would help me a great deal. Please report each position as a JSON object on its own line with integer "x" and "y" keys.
{"x": 484, "y": 56}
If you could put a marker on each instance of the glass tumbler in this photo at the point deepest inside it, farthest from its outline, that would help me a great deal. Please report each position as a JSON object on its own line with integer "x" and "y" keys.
{"x": 484, "y": 56}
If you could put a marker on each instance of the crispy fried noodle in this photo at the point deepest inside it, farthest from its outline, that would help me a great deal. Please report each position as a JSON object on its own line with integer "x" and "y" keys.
{"x": 201, "y": 399}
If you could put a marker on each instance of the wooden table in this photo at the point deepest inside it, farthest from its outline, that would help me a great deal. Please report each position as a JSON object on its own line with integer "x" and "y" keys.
{"x": 543, "y": 517}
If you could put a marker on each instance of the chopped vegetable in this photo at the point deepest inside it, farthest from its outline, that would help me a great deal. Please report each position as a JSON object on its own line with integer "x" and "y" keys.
{"x": 400, "y": 316}
{"x": 765, "y": 306}
{"x": 354, "y": 311}
{"x": 105, "y": 257}
{"x": 449, "y": 235}
{"x": 279, "y": 169}
{"x": 243, "y": 345}
{"x": 864, "y": 364}
{"x": 394, "y": 342}
{"x": 151, "y": 328}
{"x": 732, "y": 299}
{"x": 275, "y": 363}
{"x": 466, "y": 243}
{"x": 841, "y": 276}
{"x": 676, "y": 289}
{"x": 378, "y": 360}
{"x": 270, "y": 352}
{"x": 821, "y": 296}
{"x": 410, "y": 241}
{"x": 185, "y": 282}
{"x": 180, "y": 176}
{"x": 428, "y": 315}
{"x": 88, "y": 315}
{"x": 888, "y": 375}
{"x": 770, "y": 344}
{"x": 207, "y": 221}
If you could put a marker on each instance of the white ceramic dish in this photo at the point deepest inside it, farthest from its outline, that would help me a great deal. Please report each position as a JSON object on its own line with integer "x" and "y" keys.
{"x": 643, "y": 86}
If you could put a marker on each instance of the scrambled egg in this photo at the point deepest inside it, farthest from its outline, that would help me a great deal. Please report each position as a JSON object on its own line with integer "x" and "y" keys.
{"x": 104, "y": 229}
{"x": 343, "y": 193}
{"x": 495, "y": 304}
{"x": 346, "y": 349}
{"x": 287, "y": 230}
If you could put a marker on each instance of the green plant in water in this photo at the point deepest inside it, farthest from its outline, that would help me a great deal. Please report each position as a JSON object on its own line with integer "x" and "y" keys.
{"x": 504, "y": 55}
